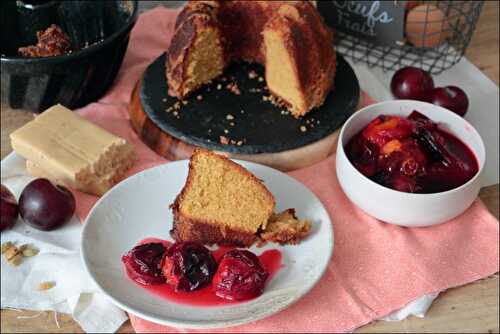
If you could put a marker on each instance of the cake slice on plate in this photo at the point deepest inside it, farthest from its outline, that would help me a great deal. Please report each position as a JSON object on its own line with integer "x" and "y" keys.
{"x": 221, "y": 203}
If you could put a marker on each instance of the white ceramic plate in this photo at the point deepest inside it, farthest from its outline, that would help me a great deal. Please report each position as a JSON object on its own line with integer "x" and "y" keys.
{"x": 138, "y": 208}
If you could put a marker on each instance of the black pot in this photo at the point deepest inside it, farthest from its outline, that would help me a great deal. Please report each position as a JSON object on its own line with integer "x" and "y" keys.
{"x": 74, "y": 79}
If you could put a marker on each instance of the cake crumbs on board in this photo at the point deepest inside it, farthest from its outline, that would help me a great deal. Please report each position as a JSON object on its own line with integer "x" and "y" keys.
{"x": 233, "y": 88}
{"x": 175, "y": 107}
{"x": 228, "y": 141}
{"x": 252, "y": 74}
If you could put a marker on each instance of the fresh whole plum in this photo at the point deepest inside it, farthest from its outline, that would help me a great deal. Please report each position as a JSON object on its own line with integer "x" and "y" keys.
{"x": 450, "y": 97}
{"x": 411, "y": 83}
{"x": 46, "y": 206}
{"x": 9, "y": 209}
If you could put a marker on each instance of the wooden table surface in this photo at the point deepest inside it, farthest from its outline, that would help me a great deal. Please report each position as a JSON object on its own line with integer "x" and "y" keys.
{"x": 471, "y": 308}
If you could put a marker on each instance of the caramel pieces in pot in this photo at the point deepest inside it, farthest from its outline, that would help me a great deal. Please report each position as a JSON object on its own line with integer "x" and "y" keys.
{"x": 51, "y": 42}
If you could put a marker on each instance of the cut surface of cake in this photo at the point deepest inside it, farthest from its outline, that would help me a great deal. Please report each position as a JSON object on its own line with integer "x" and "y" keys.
{"x": 221, "y": 203}
{"x": 289, "y": 38}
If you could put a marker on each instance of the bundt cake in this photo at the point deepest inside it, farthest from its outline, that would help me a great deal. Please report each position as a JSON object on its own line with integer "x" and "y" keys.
{"x": 289, "y": 38}
{"x": 221, "y": 203}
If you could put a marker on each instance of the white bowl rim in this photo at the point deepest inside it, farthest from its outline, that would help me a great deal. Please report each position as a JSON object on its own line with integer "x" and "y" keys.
{"x": 481, "y": 160}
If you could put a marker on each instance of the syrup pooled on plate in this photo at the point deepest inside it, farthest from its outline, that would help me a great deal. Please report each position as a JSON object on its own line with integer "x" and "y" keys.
{"x": 411, "y": 155}
{"x": 190, "y": 272}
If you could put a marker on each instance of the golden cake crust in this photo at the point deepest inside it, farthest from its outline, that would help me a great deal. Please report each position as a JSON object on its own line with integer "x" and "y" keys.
{"x": 186, "y": 229}
{"x": 190, "y": 21}
{"x": 242, "y": 25}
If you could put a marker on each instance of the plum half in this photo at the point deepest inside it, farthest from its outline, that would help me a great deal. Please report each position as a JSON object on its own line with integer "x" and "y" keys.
{"x": 143, "y": 263}
{"x": 240, "y": 276}
{"x": 188, "y": 266}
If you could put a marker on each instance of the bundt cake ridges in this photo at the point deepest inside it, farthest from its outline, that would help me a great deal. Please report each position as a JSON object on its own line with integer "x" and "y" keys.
{"x": 241, "y": 28}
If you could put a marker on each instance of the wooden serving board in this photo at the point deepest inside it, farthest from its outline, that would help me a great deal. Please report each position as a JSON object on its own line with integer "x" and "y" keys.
{"x": 256, "y": 129}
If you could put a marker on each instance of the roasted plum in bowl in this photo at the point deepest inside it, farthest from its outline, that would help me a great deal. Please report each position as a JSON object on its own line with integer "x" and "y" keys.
{"x": 410, "y": 163}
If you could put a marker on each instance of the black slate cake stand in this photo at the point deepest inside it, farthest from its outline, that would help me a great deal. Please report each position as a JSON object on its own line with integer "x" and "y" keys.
{"x": 234, "y": 116}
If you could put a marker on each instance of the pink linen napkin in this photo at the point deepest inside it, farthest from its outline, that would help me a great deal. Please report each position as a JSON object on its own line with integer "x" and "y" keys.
{"x": 376, "y": 268}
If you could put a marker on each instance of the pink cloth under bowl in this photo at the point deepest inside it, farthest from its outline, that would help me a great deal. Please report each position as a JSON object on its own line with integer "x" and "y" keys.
{"x": 376, "y": 268}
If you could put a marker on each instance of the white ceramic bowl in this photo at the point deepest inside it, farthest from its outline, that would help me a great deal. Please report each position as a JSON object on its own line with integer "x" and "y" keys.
{"x": 402, "y": 208}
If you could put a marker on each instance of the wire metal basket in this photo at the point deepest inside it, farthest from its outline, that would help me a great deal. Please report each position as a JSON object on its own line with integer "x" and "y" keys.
{"x": 431, "y": 44}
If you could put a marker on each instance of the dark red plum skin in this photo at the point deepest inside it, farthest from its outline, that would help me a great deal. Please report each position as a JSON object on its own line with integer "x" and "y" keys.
{"x": 451, "y": 98}
{"x": 411, "y": 83}
{"x": 46, "y": 206}
{"x": 9, "y": 210}
{"x": 188, "y": 266}
{"x": 240, "y": 276}
{"x": 143, "y": 263}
